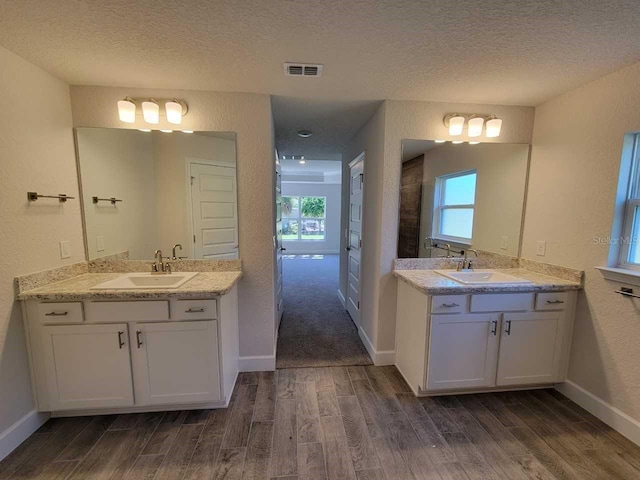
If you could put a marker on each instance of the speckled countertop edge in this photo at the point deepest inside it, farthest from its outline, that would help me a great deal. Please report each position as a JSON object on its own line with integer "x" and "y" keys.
{"x": 430, "y": 282}
{"x": 204, "y": 284}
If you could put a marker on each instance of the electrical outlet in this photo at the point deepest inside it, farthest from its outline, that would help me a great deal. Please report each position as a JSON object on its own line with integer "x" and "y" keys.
{"x": 100, "y": 243}
{"x": 541, "y": 248}
{"x": 504, "y": 243}
{"x": 65, "y": 249}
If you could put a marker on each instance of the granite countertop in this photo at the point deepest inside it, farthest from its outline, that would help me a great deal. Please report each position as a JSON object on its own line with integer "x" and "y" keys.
{"x": 204, "y": 284}
{"x": 432, "y": 283}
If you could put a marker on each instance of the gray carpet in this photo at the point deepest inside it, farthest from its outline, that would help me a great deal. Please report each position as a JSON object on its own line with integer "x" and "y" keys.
{"x": 316, "y": 330}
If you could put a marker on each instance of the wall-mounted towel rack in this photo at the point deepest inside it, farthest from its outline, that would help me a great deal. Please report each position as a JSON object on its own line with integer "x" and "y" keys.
{"x": 111, "y": 200}
{"x": 627, "y": 292}
{"x": 62, "y": 197}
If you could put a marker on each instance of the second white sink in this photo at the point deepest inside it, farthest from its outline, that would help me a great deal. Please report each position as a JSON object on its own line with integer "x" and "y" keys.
{"x": 135, "y": 281}
{"x": 481, "y": 277}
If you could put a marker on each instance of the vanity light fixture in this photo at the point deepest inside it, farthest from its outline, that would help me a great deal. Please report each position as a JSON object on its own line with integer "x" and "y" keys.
{"x": 475, "y": 125}
{"x": 151, "y": 111}
{"x": 127, "y": 110}
{"x": 173, "y": 110}
{"x": 494, "y": 125}
{"x": 456, "y": 125}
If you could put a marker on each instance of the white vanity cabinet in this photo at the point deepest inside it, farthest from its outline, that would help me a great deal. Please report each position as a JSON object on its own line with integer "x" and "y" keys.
{"x": 96, "y": 356}
{"x": 482, "y": 341}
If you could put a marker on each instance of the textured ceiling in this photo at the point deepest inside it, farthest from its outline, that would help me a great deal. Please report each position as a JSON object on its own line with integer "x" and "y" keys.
{"x": 333, "y": 124}
{"x": 491, "y": 51}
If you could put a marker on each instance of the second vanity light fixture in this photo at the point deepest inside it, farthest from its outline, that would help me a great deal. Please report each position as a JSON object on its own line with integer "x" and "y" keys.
{"x": 455, "y": 122}
{"x": 174, "y": 110}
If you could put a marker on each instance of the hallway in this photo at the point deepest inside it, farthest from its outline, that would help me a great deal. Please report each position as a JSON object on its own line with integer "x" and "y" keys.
{"x": 316, "y": 330}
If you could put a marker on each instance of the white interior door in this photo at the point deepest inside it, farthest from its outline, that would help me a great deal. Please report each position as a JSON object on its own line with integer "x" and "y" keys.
{"x": 354, "y": 237}
{"x": 529, "y": 348}
{"x": 279, "y": 249}
{"x": 176, "y": 362}
{"x": 214, "y": 207}
{"x": 88, "y": 366}
{"x": 463, "y": 351}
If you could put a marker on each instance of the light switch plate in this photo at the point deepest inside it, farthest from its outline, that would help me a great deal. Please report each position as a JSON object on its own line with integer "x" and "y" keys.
{"x": 65, "y": 249}
{"x": 100, "y": 243}
{"x": 541, "y": 248}
{"x": 504, "y": 243}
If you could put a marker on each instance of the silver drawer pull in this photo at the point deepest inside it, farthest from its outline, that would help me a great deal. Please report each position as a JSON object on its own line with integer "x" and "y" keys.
{"x": 450, "y": 305}
{"x": 554, "y": 302}
{"x": 56, "y": 314}
{"x": 194, "y": 310}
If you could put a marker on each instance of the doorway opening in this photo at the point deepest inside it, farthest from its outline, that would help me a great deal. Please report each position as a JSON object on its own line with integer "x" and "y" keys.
{"x": 316, "y": 329}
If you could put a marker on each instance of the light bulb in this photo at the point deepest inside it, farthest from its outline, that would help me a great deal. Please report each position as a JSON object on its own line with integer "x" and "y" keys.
{"x": 493, "y": 127}
{"x": 456, "y": 124}
{"x": 151, "y": 111}
{"x": 174, "y": 112}
{"x": 475, "y": 126}
{"x": 302, "y": 162}
{"x": 127, "y": 110}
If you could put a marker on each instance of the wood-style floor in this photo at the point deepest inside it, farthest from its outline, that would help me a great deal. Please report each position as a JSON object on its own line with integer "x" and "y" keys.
{"x": 335, "y": 423}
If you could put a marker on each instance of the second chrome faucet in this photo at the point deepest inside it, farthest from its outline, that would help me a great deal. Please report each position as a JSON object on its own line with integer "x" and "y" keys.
{"x": 159, "y": 267}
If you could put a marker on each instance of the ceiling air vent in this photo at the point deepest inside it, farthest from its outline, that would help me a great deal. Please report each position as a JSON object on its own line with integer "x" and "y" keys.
{"x": 302, "y": 70}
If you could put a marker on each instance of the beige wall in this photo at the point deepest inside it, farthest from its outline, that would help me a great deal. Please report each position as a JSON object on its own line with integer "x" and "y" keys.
{"x": 500, "y": 190}
{"x": 118, "y": 163}
{"x": 37, "y": 154}
{"x": 249, "y": 116}
{"x": 577, "y": 144}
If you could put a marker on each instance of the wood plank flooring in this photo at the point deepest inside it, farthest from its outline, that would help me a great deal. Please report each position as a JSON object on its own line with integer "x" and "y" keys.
{"x": 351, "y": 423}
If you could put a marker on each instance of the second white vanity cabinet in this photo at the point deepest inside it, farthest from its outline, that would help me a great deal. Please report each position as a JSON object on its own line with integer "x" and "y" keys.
{"x": 476, "y": 341}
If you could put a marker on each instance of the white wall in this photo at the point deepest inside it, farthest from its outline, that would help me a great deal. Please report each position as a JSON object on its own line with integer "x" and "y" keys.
{"x": 577, "y": 144}
{"x": 118, "y": 163}
{"x": 331, "y": 244}
{"x": 249, "y": 116}
{"x": 37, "y": 154}
{"x": 500, "y": 189}
{"x": 381, "y": 138}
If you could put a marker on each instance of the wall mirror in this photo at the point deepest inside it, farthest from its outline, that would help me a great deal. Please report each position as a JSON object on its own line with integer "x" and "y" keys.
{"x": 461, "y": 195}
{"x": 143, "y": 191}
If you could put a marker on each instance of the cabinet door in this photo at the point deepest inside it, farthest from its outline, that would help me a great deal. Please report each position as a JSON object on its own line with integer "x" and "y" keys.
{"x": 530, "y": 348}
{"x": 175, "y": 362}
{"x": 463, "y": 351}
{"x": 88, "y": 366}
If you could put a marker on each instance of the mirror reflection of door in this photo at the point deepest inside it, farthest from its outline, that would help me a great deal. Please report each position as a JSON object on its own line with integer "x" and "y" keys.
{"x": 213, "y": 207}
{"x": 410, "y": 203}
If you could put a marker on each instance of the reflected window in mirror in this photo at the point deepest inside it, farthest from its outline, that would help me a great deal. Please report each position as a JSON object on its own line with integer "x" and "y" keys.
{"x": 454, "y": 203}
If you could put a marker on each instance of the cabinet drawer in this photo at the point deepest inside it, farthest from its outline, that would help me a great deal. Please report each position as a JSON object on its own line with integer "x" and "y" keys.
{"x": 135, "y": 311}
{"x": 449, "y": 304}
{"x": 57, "y": 313}
{"x": 502, "y": 302}
{"x": 551, "y": 301}
{"x": 194, "y": 309}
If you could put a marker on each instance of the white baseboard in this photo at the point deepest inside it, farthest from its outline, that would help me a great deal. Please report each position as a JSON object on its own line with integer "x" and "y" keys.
{"x": 342, "y": 299}
{"x": 382, "y": 357}
{"x": 262, "y": 363}
{"x": 20, "y": 431}
{"x": 612, "y": 416}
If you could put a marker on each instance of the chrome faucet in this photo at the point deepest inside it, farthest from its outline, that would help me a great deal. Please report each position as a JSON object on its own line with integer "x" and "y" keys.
{"x": 177, "y": 245}
{"x": 159, "y": 267}
{"x": 448, "y": 247}
{"x": 466, "y": 264}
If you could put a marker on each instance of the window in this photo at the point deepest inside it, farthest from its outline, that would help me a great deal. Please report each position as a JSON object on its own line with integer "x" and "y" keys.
{"x": 303, "y": 218}
{"x": 629, "y": 251}
{"x": 453, "y": 206}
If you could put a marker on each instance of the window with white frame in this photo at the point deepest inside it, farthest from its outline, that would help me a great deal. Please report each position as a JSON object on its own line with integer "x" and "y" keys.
{"x": 303, "y": 218}
{"x": 453, "y": 206}
{"x": 629, "y": 250}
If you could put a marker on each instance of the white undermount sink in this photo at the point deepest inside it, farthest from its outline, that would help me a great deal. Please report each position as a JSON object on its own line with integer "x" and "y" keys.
{"x": 481, "y": 277}
{"x": 135, "y": 281}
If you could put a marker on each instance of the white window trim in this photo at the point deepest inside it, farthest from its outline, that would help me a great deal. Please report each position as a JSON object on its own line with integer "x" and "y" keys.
{"x": 300, "y": 219}
{"x": 438, "y": 208}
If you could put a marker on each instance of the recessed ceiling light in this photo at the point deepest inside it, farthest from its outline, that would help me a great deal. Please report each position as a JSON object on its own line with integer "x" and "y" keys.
{"x": 302, "y": 162}
{"x": 305, "y": 133}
